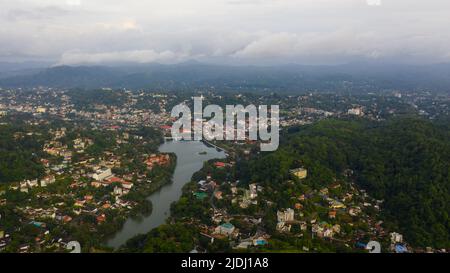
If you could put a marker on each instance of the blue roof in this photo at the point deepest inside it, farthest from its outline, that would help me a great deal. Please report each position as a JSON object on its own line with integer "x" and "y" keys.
{"x": 261, "y": 242}
{"x": 400, "y": 248}
{"x": 227, "y": 225}
{"x": 37, "y": 224}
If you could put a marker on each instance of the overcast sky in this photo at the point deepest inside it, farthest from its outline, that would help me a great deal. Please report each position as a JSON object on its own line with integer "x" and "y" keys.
{"x": 225, "y": 31}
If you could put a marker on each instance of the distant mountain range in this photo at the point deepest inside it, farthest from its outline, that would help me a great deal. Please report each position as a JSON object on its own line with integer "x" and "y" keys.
{"x": 192, "y": 75}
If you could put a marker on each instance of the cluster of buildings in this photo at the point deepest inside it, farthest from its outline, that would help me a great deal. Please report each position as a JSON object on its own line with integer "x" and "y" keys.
{"x": 157, "y": 160}
{"x": 248, "y": 197}
{"x": 26, "y": 185}
{"x": 91, "y": 189}
{"x": 48, "y": 102}
{"x": 285, "y": 220}
{"x": 220, "y": 217}
{"x": 357, "y": 111}
{"x": 325, "y": 230}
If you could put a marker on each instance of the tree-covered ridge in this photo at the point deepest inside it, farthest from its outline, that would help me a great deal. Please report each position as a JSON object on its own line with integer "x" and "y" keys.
{"x": 19, "y": 154}
{"x": 404, "y": 161}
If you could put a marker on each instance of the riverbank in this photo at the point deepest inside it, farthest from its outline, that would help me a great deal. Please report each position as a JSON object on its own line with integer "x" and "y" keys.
{"x": 189, "y": 161}
{"x": 161, "y": 176}
{"x": 182, "y": 233}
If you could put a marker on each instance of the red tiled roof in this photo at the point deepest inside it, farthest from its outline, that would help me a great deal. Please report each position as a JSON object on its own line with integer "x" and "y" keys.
{"x": 115, "y": 180}
{"x": 219, "y": 164}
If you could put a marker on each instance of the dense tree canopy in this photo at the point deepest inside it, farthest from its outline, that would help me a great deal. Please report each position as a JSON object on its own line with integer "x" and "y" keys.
{"x": 19, "y": 155}
{"x": 404, "y": 162}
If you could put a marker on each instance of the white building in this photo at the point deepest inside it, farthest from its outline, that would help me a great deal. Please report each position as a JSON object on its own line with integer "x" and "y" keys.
{"x": 396, "y": 238}
{"x": 356, "y": 111}
{"x": 47, "y": 180}
{"x": 282, "y": 227}
{"x": 33, "y": 183}
{"x": 102, "y": 174}
{"x": 287, "y": 215}
{"x": 118, "y": 191}
{"x": 283, "y": 217}
{"x": 253, "y": 191}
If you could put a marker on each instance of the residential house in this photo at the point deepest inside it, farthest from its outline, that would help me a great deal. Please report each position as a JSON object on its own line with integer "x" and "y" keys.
{"x": 220, "y": 165}
{"x": 225, "y": 229}
{"x": 300, "y": 173}
{"x": 218, "y": 195}
{"x": 50, "y": 179}
{"x": 396, "y": 238}
{"x": 101, "y": 218}
{"x": 283, "y": 217}
{"x": 332, "y": 214}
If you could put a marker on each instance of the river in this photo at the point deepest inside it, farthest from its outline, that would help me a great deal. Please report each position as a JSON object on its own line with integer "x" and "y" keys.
{"x": 189, "y": 161}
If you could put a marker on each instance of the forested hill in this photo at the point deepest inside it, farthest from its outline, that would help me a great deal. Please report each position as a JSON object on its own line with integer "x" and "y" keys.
{"x": 19, "y": 158}
{"x": 355, "y": 77}
{"x": 405, "y": 162}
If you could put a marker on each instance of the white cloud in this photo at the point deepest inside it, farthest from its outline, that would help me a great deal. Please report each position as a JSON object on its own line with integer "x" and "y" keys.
{"x": 374, "y": 2}
{"x": 248, "y": 30}
{"x": 73, "y": 2}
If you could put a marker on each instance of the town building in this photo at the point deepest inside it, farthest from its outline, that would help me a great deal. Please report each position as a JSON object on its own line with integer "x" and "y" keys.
{"x": 300, "y": 173}
{"x": 102, "y": 174}
{"x": 225, "y": 229}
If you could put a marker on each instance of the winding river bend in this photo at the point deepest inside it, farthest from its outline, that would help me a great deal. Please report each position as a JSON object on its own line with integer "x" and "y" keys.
{"x": 190, "y": 159}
